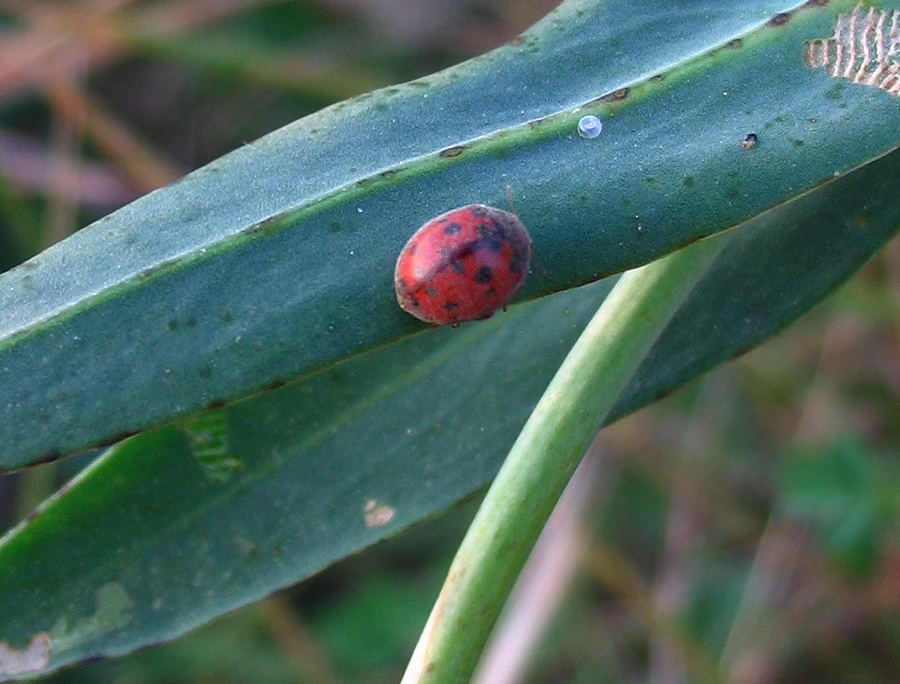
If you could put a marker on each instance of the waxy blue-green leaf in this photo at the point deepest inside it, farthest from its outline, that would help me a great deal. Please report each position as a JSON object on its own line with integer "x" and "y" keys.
{"x": 276, "y": 261}
{"x": 178, "y": 525}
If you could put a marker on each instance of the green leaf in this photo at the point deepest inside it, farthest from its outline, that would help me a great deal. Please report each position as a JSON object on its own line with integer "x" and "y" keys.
{"x": 384, "y": 428}
{"x": 276, "y": 260}
{"x": 847, "y": 496}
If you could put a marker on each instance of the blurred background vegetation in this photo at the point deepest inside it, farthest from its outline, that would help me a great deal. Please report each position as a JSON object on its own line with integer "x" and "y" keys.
{"x": 743, "y": 530}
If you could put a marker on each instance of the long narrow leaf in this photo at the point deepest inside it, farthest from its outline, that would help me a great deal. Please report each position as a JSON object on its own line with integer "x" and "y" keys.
{"x": 276, "y": 260}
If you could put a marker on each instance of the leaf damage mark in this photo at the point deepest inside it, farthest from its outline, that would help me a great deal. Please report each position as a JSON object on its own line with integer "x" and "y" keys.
{"x": 32, "y": 658}
{"x": 864, "y": 49}
{"x": 114, "y": 607}
{"x": 246, "y": 546}
{"x": 208, "y": 435}
{"x": 377, "y": 514}
{"x": 454, "y": 151}
{"x": 615, "y": 96}
{"x": 780, "y": 19}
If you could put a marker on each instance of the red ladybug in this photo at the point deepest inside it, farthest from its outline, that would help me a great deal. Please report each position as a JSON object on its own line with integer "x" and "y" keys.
{"x": 462, "y": 265}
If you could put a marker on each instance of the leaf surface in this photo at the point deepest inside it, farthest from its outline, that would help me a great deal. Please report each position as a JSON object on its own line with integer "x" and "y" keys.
{"x": 276, "y": 260}
{"x": 387, "y": 427}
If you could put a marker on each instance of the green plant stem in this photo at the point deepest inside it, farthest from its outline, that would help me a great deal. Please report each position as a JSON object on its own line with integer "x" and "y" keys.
{"x": 543, "y": 458}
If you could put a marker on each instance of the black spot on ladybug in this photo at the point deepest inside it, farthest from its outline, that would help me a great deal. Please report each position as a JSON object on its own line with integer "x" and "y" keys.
{"x": 480, "y": 211}
{"x": 492, "y": 242}
{"x": 483, "y": 275}
{"x": 457, "y": 266}
{"x": 452, "y": 228}
{"x": 449, "y": 306}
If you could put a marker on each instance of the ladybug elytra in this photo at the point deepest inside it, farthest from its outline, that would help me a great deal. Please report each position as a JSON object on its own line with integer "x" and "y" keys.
{"x": 462, "y": 265}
